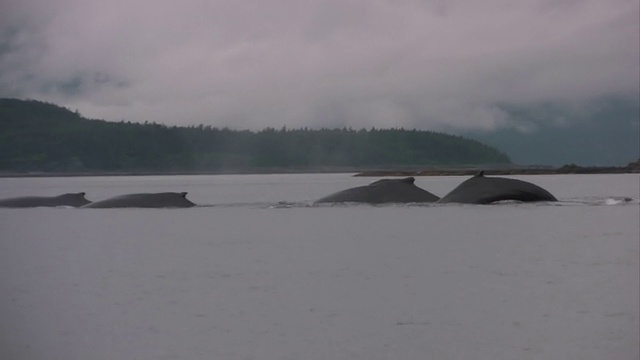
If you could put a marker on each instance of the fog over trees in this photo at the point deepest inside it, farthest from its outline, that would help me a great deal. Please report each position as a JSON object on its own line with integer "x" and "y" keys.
{"x": 37, "y": 136}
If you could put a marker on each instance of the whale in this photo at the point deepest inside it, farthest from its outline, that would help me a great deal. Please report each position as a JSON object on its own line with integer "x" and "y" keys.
{"x": 70, "y": 199}
{"x": 480, "y": 189}
{"x": 382, "y": 191}
{"x": 144, "y": 200}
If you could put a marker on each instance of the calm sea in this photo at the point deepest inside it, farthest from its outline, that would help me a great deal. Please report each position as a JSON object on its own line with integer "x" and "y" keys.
{"x": 257, "y": 272}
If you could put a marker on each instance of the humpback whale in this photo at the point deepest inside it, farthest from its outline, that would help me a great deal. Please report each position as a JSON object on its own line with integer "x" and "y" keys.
{"x": 485, "y": 190}
{"x": 71, "y": 199}
{"x": 145, "y": 200}
{"x": 382, "y": 191}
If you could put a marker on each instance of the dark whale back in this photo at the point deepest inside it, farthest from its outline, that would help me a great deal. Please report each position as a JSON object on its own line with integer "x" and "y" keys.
{"x": 145, "y": 200}
{"x": 382, "y": 191}
{"x": 70, "y": 199}
{"x": 485, "y": 190}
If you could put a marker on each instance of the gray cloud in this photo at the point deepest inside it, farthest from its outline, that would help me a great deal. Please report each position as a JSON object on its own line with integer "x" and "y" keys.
{"x": 251, "y": 64}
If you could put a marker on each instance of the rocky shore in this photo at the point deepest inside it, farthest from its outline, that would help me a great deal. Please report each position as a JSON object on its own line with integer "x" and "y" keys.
{"x": 633, "y": 167}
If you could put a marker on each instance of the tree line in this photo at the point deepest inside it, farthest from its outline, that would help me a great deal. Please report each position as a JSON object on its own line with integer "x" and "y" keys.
{"x": 43, "y": 137}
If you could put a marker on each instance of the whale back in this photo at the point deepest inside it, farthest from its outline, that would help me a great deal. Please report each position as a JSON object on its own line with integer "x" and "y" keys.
{"x": 69, "y": 199}
{"x": 73, "y": 199}
{"x": 485, "y": 190}
{"x": 382, "y": 191}
{"x": 145, "y": 200}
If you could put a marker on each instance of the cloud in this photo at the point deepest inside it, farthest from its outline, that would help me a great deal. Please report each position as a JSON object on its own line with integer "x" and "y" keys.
{"x": 383, "y": 63}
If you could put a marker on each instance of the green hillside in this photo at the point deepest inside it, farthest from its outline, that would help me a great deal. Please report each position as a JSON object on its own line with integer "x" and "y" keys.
{"x": 42, "y": 137}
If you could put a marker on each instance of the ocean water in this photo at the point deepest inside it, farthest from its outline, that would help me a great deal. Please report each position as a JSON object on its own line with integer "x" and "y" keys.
{"x": 256, "y": 272}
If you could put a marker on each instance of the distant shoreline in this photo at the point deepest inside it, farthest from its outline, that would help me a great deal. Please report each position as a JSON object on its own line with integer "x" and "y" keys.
{"x": 631, "y": 168}
{"x": 35, "y": 174}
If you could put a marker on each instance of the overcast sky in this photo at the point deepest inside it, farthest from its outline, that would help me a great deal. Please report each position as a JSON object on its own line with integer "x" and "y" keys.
{"x": 257, "y": 63}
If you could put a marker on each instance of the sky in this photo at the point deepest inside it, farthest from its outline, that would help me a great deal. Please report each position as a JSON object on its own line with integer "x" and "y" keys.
{"x": 251, "y": 64}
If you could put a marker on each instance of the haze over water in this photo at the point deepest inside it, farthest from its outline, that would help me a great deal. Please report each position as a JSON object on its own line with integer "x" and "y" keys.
{"x": 256, "y": 272}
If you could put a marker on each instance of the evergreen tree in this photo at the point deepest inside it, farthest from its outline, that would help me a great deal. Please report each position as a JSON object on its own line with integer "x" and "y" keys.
{"x": 37, "y": 136}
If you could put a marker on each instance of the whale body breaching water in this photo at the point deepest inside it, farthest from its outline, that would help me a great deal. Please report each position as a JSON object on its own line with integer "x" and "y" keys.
{"x": 69, "y": 199}
{"x": 485, "y": 190}
{"x": 383, "y": 191}
{"x": 144, "y": 200}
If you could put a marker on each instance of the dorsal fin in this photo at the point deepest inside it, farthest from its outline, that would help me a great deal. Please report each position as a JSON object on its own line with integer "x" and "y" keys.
{"x": 479, "y": 174}
{"x": 408, "y": 180}
{"x": 184, "y": 194}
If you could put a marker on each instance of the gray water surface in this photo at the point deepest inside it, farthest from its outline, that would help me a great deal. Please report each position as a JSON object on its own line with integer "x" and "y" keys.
{"x": 256, "y": 272}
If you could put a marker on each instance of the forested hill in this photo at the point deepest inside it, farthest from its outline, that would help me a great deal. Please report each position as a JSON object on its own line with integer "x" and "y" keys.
{"x": 42, "y": 137}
